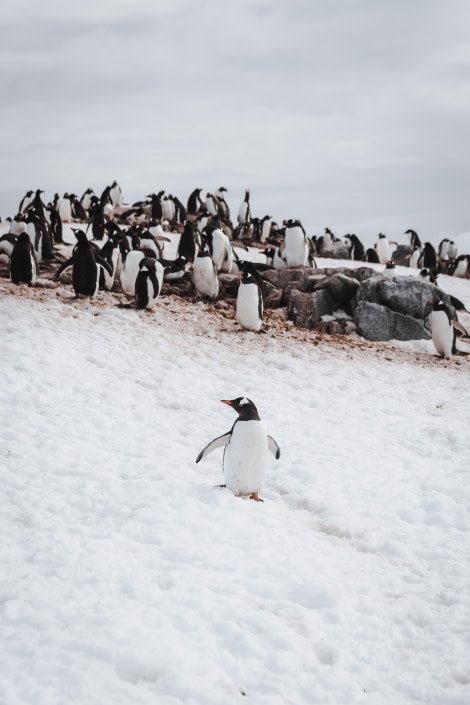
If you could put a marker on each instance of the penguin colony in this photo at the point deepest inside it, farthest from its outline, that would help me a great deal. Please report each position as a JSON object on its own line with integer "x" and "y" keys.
{"x": 121, "y": 245}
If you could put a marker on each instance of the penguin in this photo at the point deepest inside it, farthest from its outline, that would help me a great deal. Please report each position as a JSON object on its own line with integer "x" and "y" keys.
{"x": 174, "y": 269}
{"x": 452, "y": 251}
{"x": 414, "y": 257}
{"x": 442, "y": 330}
{"x": 443, "y": 249}
{"x": 250, "y": 305}
{"x": 389, "y": 270}
{"x": 246, "y": 447}
{"x": 187, "y": 242}
{"x": 78, "y": 211}
{"x": 244, "y": 212}
{"x": 56, "y": 224}
{"x": 296, "y": 250}
{"x": 414, "y": 239}
{"x": 25, "y": 202}
{"x": 148, "y": 283}
{"x": 460, "y": 267}
{"x": 7, "y": 243}
{"x": 86, "y": 199}
{"x": 212, "y": 204}
{"x": 169, "y": 209}
{"x": 427, "y": 276}
{"x": 86, "y": 262}
{"x": 371, "y": 255}
{"x": 356, "y": 248}
{"x": 428, "y": 257}
{"x": 23, "y": 267}
{"x": 274, "y": 257}
{"x": 64, "y": 206}
{"x": 115, "y": 194}
{"x": 383, "y": 249}
{"x": 129, "y": 271}
{"x": 195, "y": 204}
{"x": 204, "y": 275}
{"x": 224, "y": 210}
{"x": 220, "y": 249}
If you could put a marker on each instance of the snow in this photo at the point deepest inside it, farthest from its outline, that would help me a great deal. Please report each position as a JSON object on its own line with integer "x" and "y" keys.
{"x": 128, "y": 577}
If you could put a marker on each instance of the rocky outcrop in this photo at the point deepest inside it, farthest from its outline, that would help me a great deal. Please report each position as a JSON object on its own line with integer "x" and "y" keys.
{"x": 376, "y": 322}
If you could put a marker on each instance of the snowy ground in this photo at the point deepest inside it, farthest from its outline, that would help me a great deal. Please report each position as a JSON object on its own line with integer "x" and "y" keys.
{"x": 128, "y": 578}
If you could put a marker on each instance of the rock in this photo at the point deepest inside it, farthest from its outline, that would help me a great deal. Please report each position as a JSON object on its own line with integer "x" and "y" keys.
{"x": 337, "y": 250}
{"x": 401, "y": 255}
{"x": 405, "y": 295}
{"x": 376, "y": 322}
{"x": 341, "y": 287}
{"x": 306, "y": 309}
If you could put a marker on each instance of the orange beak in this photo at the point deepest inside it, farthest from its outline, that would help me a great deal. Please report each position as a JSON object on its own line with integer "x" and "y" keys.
{"x": 226, "y": 401}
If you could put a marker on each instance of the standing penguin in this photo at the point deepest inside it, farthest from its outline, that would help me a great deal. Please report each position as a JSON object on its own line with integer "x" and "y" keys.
{"x": 246, "y": 448}
{"x": 204, "y": 275}
{"x": 383, "y": 249}
{"x": 244, "y": 212}
{"x": 356, "y": 248}
{"x": 250, "y": 306}
{"x": 187, "y": 242}
{"x": 296, "y": 248}
{"x": 86, "y": 262}
{"x": 148, "y": 283}
{"x": 22, "y": 261}
{"x": 442, "y": 329}
{"x": 64, "y": 206}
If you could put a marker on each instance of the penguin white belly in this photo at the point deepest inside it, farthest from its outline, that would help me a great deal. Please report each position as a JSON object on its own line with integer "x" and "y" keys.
{"x": 129, "y": 272}
{"x": 442, "y": 333}
{"x": 248, "y": 314}
{"x": 65, "y": 210}
{"x": 383, "y": 250}
{"x": 296, "y": 249}
{"x": 461, "y": 269}
{"x": 245, "y": 458}
{"x": 205, "y": 277}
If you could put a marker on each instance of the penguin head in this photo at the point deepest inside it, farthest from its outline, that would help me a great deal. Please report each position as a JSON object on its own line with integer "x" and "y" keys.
{"x": 80, "y": 235}
{"x": 244, "y": 407}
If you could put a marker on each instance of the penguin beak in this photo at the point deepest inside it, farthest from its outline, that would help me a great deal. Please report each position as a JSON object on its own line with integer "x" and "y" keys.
{"x": 226, "y": 401}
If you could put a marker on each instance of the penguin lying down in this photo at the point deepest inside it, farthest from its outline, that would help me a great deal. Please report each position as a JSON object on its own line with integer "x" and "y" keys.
{"x": 246, "y": 448}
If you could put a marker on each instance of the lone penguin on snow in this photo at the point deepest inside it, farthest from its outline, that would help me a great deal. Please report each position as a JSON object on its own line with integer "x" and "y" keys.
{"x": 246, "y": 448}
{"x": 444, "y": 330}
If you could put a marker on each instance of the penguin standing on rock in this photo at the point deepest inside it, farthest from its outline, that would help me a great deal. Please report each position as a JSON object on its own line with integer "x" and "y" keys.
{"x": 22, "y": 261}
{"x": 383, "y": 249}
{"x": 246, "y": 448}
{"x": 296, "y": 248}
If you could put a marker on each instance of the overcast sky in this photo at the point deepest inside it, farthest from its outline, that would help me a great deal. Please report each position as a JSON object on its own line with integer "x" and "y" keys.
{"x": 352, "y": 114}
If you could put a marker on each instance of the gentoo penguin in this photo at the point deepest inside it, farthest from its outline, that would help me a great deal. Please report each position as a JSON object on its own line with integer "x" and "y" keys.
{"x": 7, "y": 243}
{"x": 356, "y": 248}
{"x": 389, "y": 270}
{"x": 22, "y": 261}
{"x": 86, "y": 199}
{"x": 129, "y": 271}
{"x": 452, "y": 250}
{"x": 246, "y": 448}
{"x": 212, "y": 204}
{"x": 460, "y": 267}
{"x": 250, "y": 306}
{"x": 244, "y": 212}
{"x": 78, "y": 211}
{"x": 383, "y": 248}
{"x": 115, "y": 194}
{"x": 25, "y": 202}
{"x": 169, "y": 210}
{"x": 224, "y": 210}
{"x": 156, "y": 205}
{"x": 443, "y": 248}
{"x": 195, "y": 203}
{"x": 414, "y": 257}
{"x": 220, "y": 249}
{"x": 56, "y": 224}
{"x": 64, "y": 206}
{"x": 148, "y": 283}
{"x": 86, "y": 262}
{"x": 371, "y": 255}
{"x": 187, "y": 242}
{"x": 296, "y": 249}
{"x": 428, "y": 257}
{"x": 204, "y": 274}
{"x": 442, "y": 329}
{"x": 414, "y": 239}
{"x": 427, "y": 276}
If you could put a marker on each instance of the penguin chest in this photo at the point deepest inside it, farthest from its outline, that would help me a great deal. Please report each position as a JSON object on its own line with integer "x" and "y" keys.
{"x": 383, "y": 251}
{"x": 249, "y": 307}
{"x": 205, "y": 277}
{"x": 442, "y": 333}
{"x": 245, "y": 458}
{"x": 296, "y": 250}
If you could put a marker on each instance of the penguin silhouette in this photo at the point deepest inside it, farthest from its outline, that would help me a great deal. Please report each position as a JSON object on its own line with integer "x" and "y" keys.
{"x": 246, "y": 448}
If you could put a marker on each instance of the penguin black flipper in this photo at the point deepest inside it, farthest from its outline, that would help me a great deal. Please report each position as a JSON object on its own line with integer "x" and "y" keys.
{"x": 216, "y": 443}
{"x": 104, "y": 263}
{"x": 274, "y": 448}
{"x": 65, "y": 265}
{"x": 154, "y": 280}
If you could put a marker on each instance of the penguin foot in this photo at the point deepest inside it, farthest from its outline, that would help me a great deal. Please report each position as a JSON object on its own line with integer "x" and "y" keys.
{"x": 254, "y": 495}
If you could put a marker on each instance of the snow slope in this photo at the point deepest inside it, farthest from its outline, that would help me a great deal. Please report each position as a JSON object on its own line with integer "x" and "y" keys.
{"x": 127, "y": 577}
